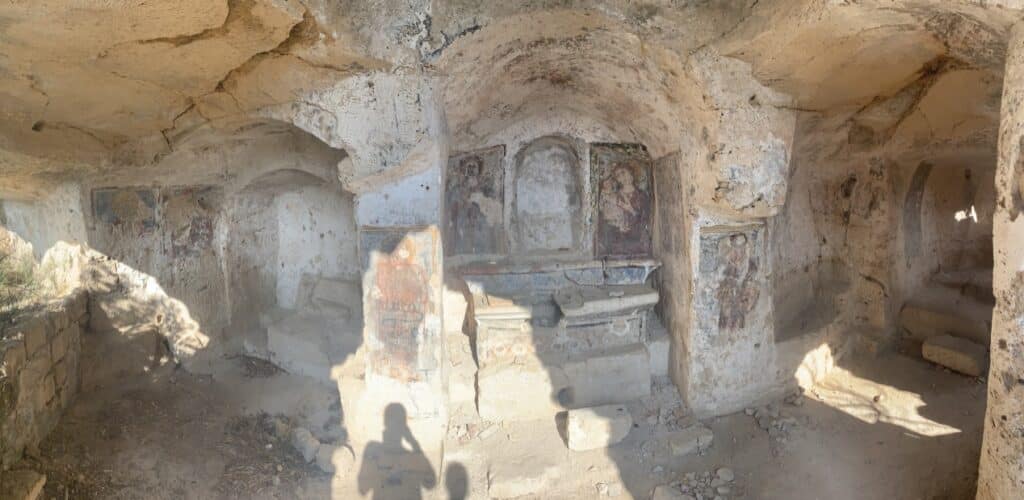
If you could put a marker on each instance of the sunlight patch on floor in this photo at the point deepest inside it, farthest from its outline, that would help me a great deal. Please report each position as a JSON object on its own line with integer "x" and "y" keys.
{"x": 873, "y": 402}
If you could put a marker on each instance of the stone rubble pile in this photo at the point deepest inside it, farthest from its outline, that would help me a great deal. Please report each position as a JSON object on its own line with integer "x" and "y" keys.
{"x": 777, "y": 423}
{"x": 703, "y": 486}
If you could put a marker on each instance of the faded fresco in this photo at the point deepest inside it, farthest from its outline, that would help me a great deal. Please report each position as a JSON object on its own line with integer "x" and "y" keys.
{"x": 624, "y": 194}
{"x": 400, "y": 289}
{"x": 189, "y": 214}
{"x": 474, "y": 200}
{"x": 546, "y": 210}
{"x": 188, "y": 218}
{"x": 732, "y": 260}
{"x": 129, "y": 209}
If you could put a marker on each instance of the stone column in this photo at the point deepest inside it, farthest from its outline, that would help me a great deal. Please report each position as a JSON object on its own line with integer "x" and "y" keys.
{"x": 399, "y": 215}
{"x": 1001, "y": 474}
{"x": 725, "y": 358}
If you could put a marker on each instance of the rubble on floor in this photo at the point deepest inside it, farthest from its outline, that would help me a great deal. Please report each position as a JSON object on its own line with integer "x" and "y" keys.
{"x": 693, "y": 439}
{"x": 776, "y": 422}
{"x": 694, "y": 486}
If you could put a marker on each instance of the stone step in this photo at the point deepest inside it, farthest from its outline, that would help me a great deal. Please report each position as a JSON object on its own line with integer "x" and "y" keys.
{"x": 539, "y": 389}
{"x": 921, "y": 322}
{"x": 957, "y": 354}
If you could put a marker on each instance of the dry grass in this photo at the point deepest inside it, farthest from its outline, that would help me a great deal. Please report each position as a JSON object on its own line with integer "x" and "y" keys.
{"x": 20, "y": 283}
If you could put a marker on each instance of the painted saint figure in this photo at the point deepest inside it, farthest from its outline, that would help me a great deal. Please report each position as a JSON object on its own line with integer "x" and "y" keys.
{"x": 473, "y": 195}
{"x": 402, "y": 292}
{"x": 623, "y": 207}
{"x": 737, "y": 292}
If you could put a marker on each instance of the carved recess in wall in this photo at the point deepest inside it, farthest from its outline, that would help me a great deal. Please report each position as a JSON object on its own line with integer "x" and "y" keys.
{"x": 167, "y": 233}
{"x": 731, "y": 273}
{"x": 624, "y": 194}
{"x": 474, "y": 201}
{"x": 401, "y": 288}
{"x": 546, "y": 204}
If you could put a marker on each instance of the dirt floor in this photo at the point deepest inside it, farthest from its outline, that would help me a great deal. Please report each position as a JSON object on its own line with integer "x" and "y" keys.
{"x": 890, "y": 427}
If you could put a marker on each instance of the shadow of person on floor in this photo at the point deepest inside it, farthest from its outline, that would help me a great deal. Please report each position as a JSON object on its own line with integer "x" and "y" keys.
{"x": 456, "y": 481}
{"x": 390, "y": 470}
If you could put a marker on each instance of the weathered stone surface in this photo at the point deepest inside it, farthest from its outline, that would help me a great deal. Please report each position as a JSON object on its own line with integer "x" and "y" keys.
{"x": 957, "y": 354}
{"x": 77, "y": 304}
{"x": 32, "y": 375}
{"x": 59, "y": 319}
{"x": 523, "y": 391}
{"x": 304, "y": 443}
{"x": 613, "y": 376}
{"x": 34, "y": 330}
{"x": 298, "y": 344}
{"x": 22, "y": 484}
{"x": 60, "y": 373}
{"x": 690, "y": 440}
{"x": 520, "y": 478}
{"x": 45, "y": 393}
{"x": 59, "y": 344}
{"x": 659, "y": 348}
{"x": 667, "y": 492}
{"x": 12, "y": 355}
{"x": 921, "y": 323}
{"x": 597, "y": 427}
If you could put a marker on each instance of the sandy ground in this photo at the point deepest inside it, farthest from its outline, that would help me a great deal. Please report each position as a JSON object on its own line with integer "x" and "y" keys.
{"x": 890, "y": 427}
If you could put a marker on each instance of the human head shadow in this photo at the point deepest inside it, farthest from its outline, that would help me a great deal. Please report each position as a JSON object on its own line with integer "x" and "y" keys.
{"x": 395, "y": 467}
{"x": 456, "y": 481}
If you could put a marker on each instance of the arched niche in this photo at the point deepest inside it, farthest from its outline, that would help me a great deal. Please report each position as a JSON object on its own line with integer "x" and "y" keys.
{"x": 547, "y": 205}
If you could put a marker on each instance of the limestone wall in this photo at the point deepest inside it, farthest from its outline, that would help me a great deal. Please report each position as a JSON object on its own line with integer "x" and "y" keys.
{"x": 202, "y": 243}
{"x": 1002, "y": 456}
{"x": 39, "y": 372}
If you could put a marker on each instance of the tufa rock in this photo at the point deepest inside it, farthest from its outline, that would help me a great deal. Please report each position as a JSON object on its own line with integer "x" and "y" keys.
{"x": 305, "y": 443}
{"x": 695, "y": 438}
{"x": 597, "y": 427}
{"x": 21, "y": 484}
{"x": 956, "y": 353}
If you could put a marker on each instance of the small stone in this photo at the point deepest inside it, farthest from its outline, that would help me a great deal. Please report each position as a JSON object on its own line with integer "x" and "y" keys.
{"x": 597, "y": 427}
{"x": 692, "y": 439}
{"x": 305, "y": 443}
{"x": 724, "y": 490}
{"x": 749, "y": 411}
{"x": 725, "y": 473}
{"x": 658, "y": 469}
{"x": 764, "y": 422}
